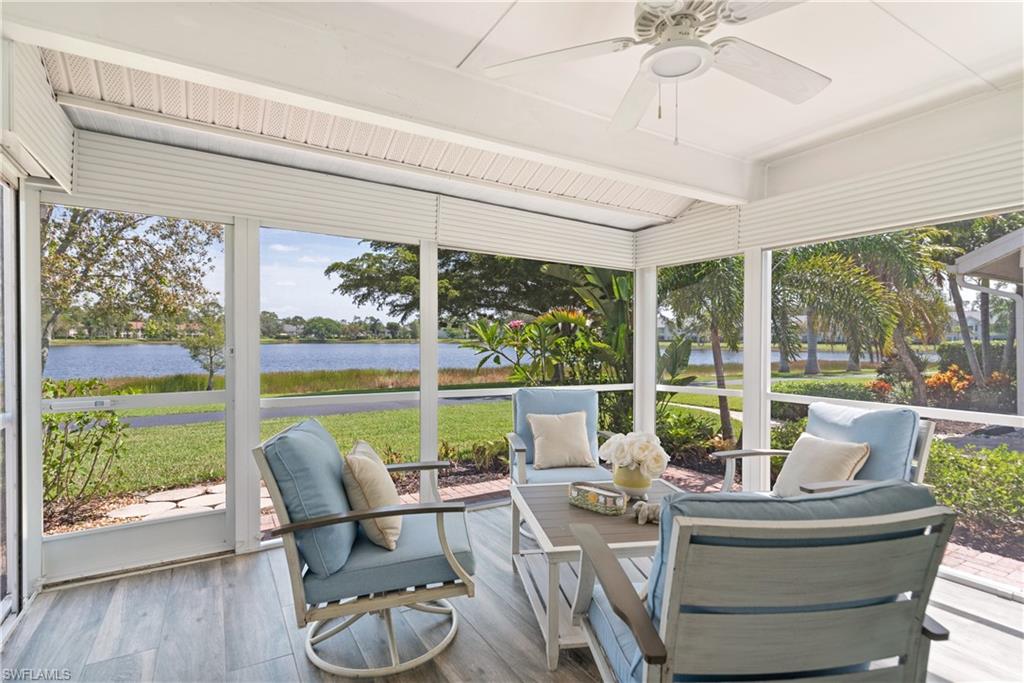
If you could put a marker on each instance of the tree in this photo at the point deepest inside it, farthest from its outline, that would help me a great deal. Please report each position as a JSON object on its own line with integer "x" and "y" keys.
{"x": 321, "y": 328}
{"x": 961, "y": 237}
{"x": 204, "y": 340}
{"x": 270, "y": 324}
{"x": 469, "y": 284}
{"x": 394, "y": 330}
{"x": 710, "y": 296}
{"x": 121, "y": 264}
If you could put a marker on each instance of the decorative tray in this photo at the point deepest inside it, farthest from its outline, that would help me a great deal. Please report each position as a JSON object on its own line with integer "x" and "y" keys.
{"x": 597, "y": 498}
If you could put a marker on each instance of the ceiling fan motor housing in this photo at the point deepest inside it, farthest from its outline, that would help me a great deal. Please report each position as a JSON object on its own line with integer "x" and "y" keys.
{"x": 664, "y": 19}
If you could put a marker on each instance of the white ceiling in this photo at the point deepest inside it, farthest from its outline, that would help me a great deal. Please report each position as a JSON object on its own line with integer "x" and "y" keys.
{"x": 417, "y": 67}
{"x": 884, "y": 58}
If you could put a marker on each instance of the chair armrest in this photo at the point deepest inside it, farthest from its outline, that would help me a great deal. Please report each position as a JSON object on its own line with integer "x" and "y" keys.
{"x": 623, "y": 598}
{"x": 748, "y": 453}
{"x": 385, "y": 511}
{"x": 836, "y": 485}
{"x": 413, "y": 466}
{"x": 515, "y": 442}
{"x": 933, "y": 630}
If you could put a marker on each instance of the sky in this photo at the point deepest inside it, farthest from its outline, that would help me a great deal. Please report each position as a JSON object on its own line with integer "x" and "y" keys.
{"x": 292, "y": 280}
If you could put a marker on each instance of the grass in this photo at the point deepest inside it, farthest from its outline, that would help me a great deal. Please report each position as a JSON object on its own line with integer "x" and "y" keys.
{"x": 182, "y": 455}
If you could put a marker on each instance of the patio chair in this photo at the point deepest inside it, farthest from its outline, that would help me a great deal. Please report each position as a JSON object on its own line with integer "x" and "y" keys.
{"x": 520, "y": 441}
{"x": 816, "y": 587}
{"x": 899, "y": 438}
{"x": 336, "y": 572}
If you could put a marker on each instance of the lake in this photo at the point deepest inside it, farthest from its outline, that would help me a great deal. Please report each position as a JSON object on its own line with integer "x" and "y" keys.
{"x": 153, "y": 360}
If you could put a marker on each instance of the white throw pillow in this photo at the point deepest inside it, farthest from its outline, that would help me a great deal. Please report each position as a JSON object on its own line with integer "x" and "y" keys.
{"x": 813, "y": 459}
{"x": 368, "y": 485}
{"x": 560, "y": 441}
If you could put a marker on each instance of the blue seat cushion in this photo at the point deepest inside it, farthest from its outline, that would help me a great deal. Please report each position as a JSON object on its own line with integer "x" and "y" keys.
{"x": 306, "y": 465}
{"x": 417, "y": 560}
{"x": 879, "y": 498}
{"x": 614, "y": 636}
{"x": 891, "y": 433}
{"x": 566, "y": 475}
{"x": 553, "y": 402}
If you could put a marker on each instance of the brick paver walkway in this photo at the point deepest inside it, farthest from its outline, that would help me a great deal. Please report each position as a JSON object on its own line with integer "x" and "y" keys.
{"x": 988, "y": 566}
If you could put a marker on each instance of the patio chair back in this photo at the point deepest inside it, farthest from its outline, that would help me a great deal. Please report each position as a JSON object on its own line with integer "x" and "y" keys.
{"x": 898, "y": 437}
{"x": 824, "y": 598}
{"x": 537, "y": 401}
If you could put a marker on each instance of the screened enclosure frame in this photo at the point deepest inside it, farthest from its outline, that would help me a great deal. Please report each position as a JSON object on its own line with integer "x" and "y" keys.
{"x": 174, "y": 182}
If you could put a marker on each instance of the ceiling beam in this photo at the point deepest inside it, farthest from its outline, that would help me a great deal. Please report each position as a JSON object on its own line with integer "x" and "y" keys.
{"x": 242, "y": 49}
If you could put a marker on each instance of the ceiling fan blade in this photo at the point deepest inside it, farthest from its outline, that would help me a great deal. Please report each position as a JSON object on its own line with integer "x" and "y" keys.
{"x": 568, "y": 54}
{"x": 635, "y": 102}
{"x": 767, "y": 70}
{"x": 738, "y": 12}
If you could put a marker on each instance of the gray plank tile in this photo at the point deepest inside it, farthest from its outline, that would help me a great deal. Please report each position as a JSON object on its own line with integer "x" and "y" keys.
{"x": 64, "y": 636}
{"x": 192, "y": 640}
{"x": 253, "y": 628}
{"x": 134, "y": 619}
{"x": 277, "y": 670}
{"x": 137, "y": 667}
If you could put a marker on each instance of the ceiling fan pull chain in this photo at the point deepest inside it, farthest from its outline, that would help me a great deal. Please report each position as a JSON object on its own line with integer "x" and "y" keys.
{"x": 676, "y": 141}
{"x": 659, "y": 101}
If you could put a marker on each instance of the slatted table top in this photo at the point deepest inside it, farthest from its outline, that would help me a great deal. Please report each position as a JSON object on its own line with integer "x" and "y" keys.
{"x": 546, "y": 508}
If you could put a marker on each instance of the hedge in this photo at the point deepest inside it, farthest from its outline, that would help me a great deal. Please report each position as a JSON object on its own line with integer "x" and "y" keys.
{"x": 985, "y": 486}
{"x": 827, "y": 389}
{"x": 954, "y": 353}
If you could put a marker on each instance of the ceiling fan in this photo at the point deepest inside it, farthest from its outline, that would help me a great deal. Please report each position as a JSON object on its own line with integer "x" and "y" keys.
{"x": 674, "y": 29}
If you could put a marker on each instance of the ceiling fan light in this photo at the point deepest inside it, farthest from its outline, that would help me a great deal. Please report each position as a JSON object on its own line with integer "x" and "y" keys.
{"x": 677, "y": 60}
{"x": 675, "y": 64}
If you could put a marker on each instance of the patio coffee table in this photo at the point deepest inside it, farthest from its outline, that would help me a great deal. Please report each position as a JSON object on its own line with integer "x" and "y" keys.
{"x": 546, "y": 510}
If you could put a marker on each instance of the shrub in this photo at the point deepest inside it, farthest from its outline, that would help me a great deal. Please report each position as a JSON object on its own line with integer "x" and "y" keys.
{"x": 954, "y": 353}
{"x": 688, "y": 437}
{"x": 823, "y": 388}
{"x": 785, "y": 434}
{"x": 949, "y": 388}
{"x": 881, "y": 389}
{"x": 80, "y": 450}
{"x": 985, "y": 486}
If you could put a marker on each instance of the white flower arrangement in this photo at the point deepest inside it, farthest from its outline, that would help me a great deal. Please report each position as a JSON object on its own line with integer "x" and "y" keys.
{"x": 636, "y": 450}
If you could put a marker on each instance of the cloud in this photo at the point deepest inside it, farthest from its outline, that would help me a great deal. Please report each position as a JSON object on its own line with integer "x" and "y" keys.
{"x": 314, "y": 259}
{"x": 282, "y": 248}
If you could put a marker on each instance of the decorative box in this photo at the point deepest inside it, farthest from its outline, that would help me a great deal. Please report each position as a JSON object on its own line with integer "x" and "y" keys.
{"x": 596, "y": 498}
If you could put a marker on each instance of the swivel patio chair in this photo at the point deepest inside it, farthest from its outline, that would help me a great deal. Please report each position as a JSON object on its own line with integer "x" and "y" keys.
{"x": 824, "y": 587}
{"x": 899, "y": 438}
{"x": 336, "y": 572}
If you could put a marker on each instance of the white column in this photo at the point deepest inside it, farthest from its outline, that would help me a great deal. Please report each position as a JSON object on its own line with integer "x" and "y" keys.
{"x": 645, "y": 348}
{"x": 757, "y": 285}
{"x": 242, "y": 307}
{"x": 31, "y": 381}
{"x": 428, "y": 366}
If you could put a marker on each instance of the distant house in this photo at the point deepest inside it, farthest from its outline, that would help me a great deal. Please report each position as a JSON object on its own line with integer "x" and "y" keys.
{"x": 289, "y": 330}
{"x": 973, "y": 324}
{"x": 134, "y": 330}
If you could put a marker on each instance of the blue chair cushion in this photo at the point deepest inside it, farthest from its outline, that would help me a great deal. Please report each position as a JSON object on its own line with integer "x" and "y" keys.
{"x": 891, "y": 433}
{"x": 417, "y": 560}
{"x": 306, "y": 465}
{"x": 553, "y": 402}
{"x": 566, "y": 475}
{"x": 879, "y": 498}
{"x": 614, "y": 636}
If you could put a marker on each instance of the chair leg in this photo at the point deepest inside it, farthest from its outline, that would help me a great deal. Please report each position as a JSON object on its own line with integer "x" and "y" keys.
{"x": 315, "y": 635}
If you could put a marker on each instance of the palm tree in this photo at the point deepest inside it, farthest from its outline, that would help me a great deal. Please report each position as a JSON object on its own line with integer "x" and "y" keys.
{"x": 835, "y": 293}
{"x": 710, "y": 295}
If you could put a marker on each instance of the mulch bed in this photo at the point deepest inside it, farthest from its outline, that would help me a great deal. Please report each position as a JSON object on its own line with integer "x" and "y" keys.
{"x": 91, "y": 515}
{"x": 457, "y": 475}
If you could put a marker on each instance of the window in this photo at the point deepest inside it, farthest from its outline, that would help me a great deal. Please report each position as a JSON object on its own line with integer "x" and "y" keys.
{"x": 508, "y": 322}
{"x": 339, "y": 342}
{"x": 133, "y": 321}
{"x": 700, "y": 360}
{"x": 928, "y": 317}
